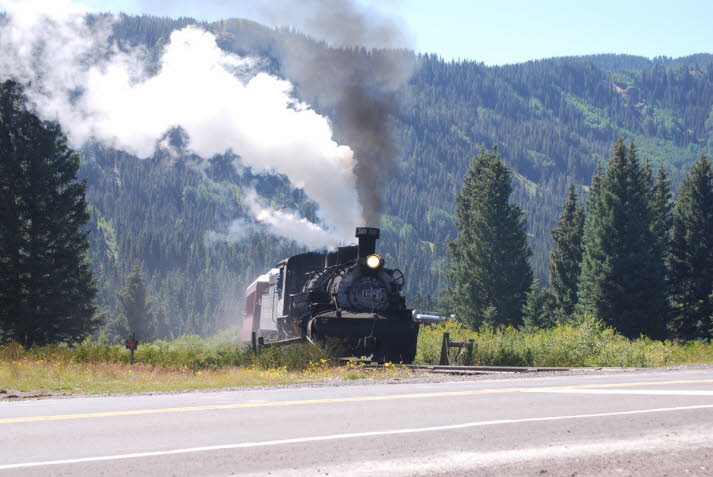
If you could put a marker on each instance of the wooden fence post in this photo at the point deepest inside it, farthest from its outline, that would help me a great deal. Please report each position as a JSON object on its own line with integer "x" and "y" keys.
{"x": 470, "y": 352}
{"x": 444, "y": 349}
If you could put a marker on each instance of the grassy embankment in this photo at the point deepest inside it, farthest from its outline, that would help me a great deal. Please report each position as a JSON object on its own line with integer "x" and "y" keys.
{"x": 587, "y": 343}
{"x": 191, "y": 362}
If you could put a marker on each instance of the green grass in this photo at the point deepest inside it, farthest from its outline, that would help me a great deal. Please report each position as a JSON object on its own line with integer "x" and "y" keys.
{"x": 352, "y": 376}
{"x": 51, "y": 377}
{"x": 55, "y": 377}
{"x": 587, "y": 343}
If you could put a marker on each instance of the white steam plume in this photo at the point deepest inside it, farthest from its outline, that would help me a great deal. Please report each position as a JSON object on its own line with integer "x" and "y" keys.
{"x": 95, "y": 91}
{"x": 285, "y": 223}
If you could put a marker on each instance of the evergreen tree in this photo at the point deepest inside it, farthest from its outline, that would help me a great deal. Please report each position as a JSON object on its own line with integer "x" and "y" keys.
{"x": 596, "y": 186}
{"x": 47, "y": 289}
{"x": 540, "y": 310}
{"x": 710, "y": 319}
{"x": 622, "y": 279}
{"x": 691, "y": 259}
{"x": 136, "y": 307}
{"x": 662, "y": 207}
{"x": 490, "y": 268}
{"x": 647, "y": 173}
{"x": 566, "y": 256}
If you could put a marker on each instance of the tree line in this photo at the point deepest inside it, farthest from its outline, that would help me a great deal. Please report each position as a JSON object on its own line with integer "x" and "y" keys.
{"x": 630, "y": 255}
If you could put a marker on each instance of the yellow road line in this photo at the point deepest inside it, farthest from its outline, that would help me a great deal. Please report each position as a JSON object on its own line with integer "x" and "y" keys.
{"x": 389, "y": 397}
{"x": 623, "y": 385}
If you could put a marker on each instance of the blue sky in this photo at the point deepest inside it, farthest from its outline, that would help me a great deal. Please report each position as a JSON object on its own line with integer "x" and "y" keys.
{"x": 507, "y": 31}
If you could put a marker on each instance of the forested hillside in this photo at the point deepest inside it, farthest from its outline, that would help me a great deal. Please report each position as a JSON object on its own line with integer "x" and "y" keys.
{"x": 552, "y": 121}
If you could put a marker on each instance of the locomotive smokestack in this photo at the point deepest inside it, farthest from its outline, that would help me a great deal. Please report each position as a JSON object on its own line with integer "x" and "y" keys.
{"x": 367, "y": 240}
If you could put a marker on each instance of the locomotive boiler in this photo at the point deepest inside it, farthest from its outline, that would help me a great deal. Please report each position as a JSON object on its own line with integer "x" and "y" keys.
{"x": 347, "y": 297}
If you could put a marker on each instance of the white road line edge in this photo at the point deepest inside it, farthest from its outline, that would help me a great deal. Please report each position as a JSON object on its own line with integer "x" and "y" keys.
{"x": 299, "y": 440}
{"x": 659, "y": 392}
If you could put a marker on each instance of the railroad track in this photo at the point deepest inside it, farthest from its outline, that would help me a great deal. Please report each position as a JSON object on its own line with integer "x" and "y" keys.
{"x": 466, "y": 370}
{"x": 460, "y": 370}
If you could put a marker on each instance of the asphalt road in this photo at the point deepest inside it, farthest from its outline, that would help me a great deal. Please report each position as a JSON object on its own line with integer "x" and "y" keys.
{"x": 633, "y": 423}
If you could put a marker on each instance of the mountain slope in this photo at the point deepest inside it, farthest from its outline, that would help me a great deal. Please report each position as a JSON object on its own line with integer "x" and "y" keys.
{"x": 552, "y": 121}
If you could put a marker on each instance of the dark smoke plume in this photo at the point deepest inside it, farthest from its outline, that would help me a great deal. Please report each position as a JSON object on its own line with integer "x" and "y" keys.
{"x": 353, "y": 85}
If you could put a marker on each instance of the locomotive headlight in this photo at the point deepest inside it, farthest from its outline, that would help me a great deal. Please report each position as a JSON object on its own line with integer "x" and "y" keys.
{"x": 373, "y": 261}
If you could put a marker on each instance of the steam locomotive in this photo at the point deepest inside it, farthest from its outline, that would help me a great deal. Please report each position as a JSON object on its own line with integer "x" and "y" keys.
{"x": 346, "y": 296}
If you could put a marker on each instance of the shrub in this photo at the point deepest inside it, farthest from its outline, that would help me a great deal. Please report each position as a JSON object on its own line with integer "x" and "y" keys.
{"x": 585, "y": 342}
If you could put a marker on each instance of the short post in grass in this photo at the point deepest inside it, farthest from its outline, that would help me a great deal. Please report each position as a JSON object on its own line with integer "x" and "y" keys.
{"x": 444, "y": 349}
{"x": 470, "y": 351}
{"x": 131, "y": 344}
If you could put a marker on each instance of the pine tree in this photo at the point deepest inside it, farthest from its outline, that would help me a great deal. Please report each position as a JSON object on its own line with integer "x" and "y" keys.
{"x": 647, "y": 173}
{"x": 117, "y": 328}
{"x": 691, "y": 258}
{"x": 710, "y": 319}
{"x": 11, "y": 292}
{"x": 136, "y": 307}
{"x": 490, "y": 269}
{"x": 622, "y": 279}
{"x": 596, "y": 186}
{"x": 539, "y": 310}
{"x": 662, "y": 207}
{"x": 47, "y": 289}
{"x": 566, "y": 256}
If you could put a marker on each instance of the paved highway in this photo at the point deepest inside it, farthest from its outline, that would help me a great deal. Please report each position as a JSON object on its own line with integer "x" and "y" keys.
{"x": 633, "y": 423}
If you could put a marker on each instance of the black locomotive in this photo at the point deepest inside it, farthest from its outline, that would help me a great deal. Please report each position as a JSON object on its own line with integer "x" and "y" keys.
{"x": 346, "y": 296}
